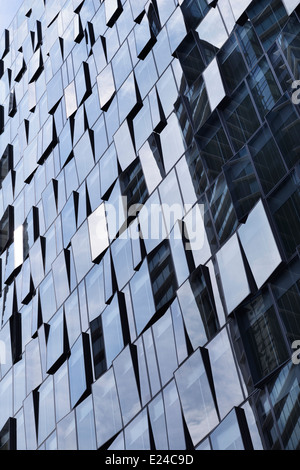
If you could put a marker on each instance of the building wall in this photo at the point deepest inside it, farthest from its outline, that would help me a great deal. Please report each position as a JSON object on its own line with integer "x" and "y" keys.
{"x": 150, "y": 229}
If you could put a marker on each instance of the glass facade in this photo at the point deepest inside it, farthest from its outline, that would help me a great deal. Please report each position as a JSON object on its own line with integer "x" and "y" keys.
{"x": 150, "y": 225}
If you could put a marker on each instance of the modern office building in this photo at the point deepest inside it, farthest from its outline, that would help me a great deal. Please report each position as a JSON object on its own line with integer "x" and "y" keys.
{"x": 150, "y": 225}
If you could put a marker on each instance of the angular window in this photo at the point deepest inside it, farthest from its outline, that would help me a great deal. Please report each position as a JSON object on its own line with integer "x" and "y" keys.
{"x": 203, "y": 295}
{"x": 86, "y": 425}
{"x": 176, "y": 29}
{"x": 232, "y": 273}
{"x": 113, "y": 10}
{"x": 47, "y": 298}
{"x": 212, "y": 29}
{"x": 94, "y": 282}
{"x": 126, "y": 384}
{"x": 249, "y": 43}
{"x": 61, "y": 276}
{"x": 172, "y": 143}
{"x": 214, "y": 84}
{"x": 6, "y": 163}
{"x": 124, "y": 146}
{"x": 196, "y": 398}
{"x": 259, "y": 245}
{"x": 69, "y": 218}
{"x": 241, "y": 118}
{"x": 108, "y": 170}
{"x": 199, "y": 107}
{"x": 142, "y": 297}
{"x": 144, "y": 38}
{"x": 267, "y": 159}
{"x": 8, "y": 435}
{"x": 286, "y": 291}
{"x": 264, "y": 88}
{"x": 70, "y": 99}
{"x": 232, "y": 433}
{"x": 158, "y": 423}
{"x": 122, "y": 65}
{"x": 66, "y": 433}
{"x": 232, "y": 65}
{"x": 214, "y": 147}
{"x": 46, "y": 423}
{"x": 122, "y": 257}
{"x": 98, "y": 232}
{"x": 49, "y": 197}
{"x": 54, "y": 91}
{"x": 107, "y": 408}
{"x": 137, "y": 433}
{"x": 83, "y": 83}
{"x": 57, "y": 342}
{"x": 84, "y": 156}
{"x": 133, "y": 185}
{"x": 81, "y": 251}
{"x": 284, "y": 204}
{"x": 162, "y": 275}
{"x": 80, "y": 371}
{"x": 262, "y": 336}
{"x": 129, "y": 100}
{"x": 174, "y": 419}
{"x": 193, "y": 12}
{"x": 222, "y": 209}
{"x": 242, "y": 183}
{"x": 285, "y": 126}
{"x": 227, "y": 385}
{"x": 62, "y": 392}
{"x": 106, "y": 87}
{"x": 268, "y": 18}
{"x": 165, "y": 347}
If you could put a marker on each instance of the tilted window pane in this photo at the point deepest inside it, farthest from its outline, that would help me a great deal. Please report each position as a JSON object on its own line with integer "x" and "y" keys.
{"x": 233, "y": 274}
{"x": 259, "y": 245}
{"x": 196, "y": 398}
{"x": 126, "y": 385}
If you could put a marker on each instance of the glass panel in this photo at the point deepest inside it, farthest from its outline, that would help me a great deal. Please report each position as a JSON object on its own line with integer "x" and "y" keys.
{"x": 225, "y": 377}
{"x": 284, "y": 205}
{"x": 79, "y": 369}
{"x": 241, "y": 118}
{"x": 232, "y": 65}
{"x": 286, "y": 291}
{"x": 196, "y": 398}
{"x": 158, "y": 423}
{"x": 66, "y": 433}
{"x": 142, "y": 297}
{"x": 285, "y": 126}
{"x": 62, "y": 392}
{"x": 262, "y": 337}
{"x": 264, "y": 88}
{"x": 259, "y": 245}
{"x": 86, "y": 425}
{"x": 98, "y": 232}
{"x": 232, "y": 272}
{"x": 165, "y": 347}
{"x": 81, "y": 251}
{"x": 127, "y": 386}
{"x": 227, "y": 436}
{"x": 137, "y": 433}
{"x": 174, "y": 420}
{"x": 46, "y": 410}
{"x": 107, "y": 408}
{"x": 267, "y": 159}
